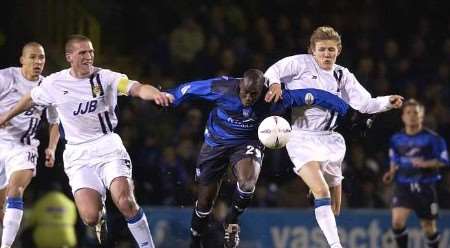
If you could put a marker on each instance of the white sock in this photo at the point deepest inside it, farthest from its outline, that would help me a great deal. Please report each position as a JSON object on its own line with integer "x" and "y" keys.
{"x": 327, "y": 222}
{"x": 11, "y": 221}
{"x": 138, "y": 226}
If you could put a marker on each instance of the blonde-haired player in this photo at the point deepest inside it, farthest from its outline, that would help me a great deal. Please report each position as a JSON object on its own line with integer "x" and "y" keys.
{"x": 314, "y": 148}
{"x": 95, "y": 159}
{"x": 18, "y": 146}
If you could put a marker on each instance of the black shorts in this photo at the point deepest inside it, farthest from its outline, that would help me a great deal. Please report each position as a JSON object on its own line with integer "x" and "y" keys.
{"x": 213, "y": 161}
{"x": 422, "y": 198}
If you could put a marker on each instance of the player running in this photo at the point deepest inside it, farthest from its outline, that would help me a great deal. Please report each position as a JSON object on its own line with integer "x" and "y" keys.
{"x": 18, "y": 145}
{"x": 94, "y": 159}
{"x": 416, "y": 155}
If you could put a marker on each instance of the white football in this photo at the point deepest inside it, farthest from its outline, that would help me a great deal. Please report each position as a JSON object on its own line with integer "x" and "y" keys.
{"x": 274, "y": 132}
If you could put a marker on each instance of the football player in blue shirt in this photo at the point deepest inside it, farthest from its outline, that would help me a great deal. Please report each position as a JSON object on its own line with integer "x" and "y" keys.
{"x": 231, "y": 138}
{"x": 416, "y": 154}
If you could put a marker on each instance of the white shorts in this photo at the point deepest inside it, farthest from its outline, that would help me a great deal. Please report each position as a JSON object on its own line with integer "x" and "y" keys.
{"x": 97, "y": 163}
{"x": 15, "y": 157}
{"x": 325, "y": 147}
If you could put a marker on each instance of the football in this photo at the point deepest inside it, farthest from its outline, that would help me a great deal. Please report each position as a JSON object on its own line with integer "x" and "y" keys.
{"x": 274, "y": 132}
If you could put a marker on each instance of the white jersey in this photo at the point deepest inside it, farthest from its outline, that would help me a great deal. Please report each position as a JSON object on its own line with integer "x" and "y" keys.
{"x": 22, "y": 128}
{"x": 302, "y": 71}
{"x": 85, "y": 106}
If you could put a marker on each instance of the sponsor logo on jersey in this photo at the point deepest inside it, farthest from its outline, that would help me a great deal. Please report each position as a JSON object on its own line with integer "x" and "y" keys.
{"x": 88, "y": 107}
{"x": 96, "y": 90}
{"x": 309, "y": 98}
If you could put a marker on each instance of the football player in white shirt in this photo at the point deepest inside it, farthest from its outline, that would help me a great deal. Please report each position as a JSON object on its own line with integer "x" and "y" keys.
{"x": 18, "y": 146}
{"x": 314, "y": 148}
{"x": 94, "y": 159}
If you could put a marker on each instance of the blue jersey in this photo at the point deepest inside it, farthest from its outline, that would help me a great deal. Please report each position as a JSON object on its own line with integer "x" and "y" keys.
{"x": 231, "y": 123}
{"x": 425, "y": 145}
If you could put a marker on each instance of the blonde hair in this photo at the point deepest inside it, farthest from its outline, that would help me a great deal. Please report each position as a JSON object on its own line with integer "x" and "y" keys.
{"x": 324, "y": 33}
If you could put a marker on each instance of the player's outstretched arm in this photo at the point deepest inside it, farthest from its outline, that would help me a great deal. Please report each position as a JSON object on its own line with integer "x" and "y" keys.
{"x": 150, "y": 93}
{"x": 314, "y": 97}
{"x": 202, "y": 89}
{"x": 24, "y": 103}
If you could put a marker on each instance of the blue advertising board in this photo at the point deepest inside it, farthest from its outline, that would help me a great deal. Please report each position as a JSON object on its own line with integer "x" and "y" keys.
{"x": 288, "y": 228}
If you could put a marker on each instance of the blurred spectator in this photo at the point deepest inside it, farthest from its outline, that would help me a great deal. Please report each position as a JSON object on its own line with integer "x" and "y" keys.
{"x": 54, "y": 217}
{"x": 174, "y": 179}
{"x": 361, "y": 179}
{"x": 186, "y": 41}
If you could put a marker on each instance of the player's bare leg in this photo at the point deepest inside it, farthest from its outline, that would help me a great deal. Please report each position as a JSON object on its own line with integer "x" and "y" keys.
{"x": 247, "y": 171}
{"x": 432, "y": 235}
{"x": 206, "y": 195}
{"x": 17, "y": 184}
{"x": 313, "y": 177}
{"x": 2, "y": 203}
{"x": 89, "y": 205}
{"x": 399, "y": 218}
{"x": 123, "y": 197}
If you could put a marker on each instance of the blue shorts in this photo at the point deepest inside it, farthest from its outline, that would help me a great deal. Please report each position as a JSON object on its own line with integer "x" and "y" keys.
{"x": 213, "y": 161}
{"x": 422, "y": 198}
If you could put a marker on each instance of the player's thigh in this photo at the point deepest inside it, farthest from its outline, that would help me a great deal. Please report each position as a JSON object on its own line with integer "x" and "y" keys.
{"x": 246, "y": 161}
{"x": 211, "y": 164}
{"x": 326, "y": 148}
{"x": 3, "y": 177}
{"x": 400, "y": 216}
{"x": 86, "y": 178}
{"x": 312, "y": 175}
{"x": 21, "y": 163}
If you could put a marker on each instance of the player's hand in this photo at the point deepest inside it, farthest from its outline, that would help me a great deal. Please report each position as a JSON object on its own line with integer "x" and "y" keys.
{"x": 389, "y": 176}
{"x": 396, "y": 101}
{"x": 3, "y": 122}
{"x": 163, "y": 99}
{"x": 274, "y": 93}
{"x": 49, "y": 157}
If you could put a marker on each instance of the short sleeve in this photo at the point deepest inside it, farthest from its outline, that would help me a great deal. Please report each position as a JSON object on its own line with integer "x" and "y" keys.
{"x": 119, "y": 82}
{"x": 52, "y": 115}
{"x": 41, "y": 94}
{"x": 5, "y": 84}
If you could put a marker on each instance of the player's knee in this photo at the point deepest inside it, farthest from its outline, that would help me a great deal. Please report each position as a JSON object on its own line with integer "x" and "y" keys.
{"x": 204, "y": 205}
{"x": 321, "y": 192}
{"x": 90, "y": 219}
{"x": 126, "y": 204}
{"x": 398, "y": 224}
{"x": 428, "y": 227}
{"x": 15, "y": 190}
{"x": 247, "y": 186}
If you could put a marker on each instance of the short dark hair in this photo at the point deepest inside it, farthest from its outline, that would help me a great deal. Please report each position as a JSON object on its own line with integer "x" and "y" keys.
{"x": 73, "y": 39}
{"x": 414, "y": 103}
{"x": 30, "y": 44}
{"x": 254, "y": 77}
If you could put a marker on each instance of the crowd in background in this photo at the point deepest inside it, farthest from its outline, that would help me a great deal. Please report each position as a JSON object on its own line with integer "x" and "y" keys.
{"x": 390, "y": 49}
